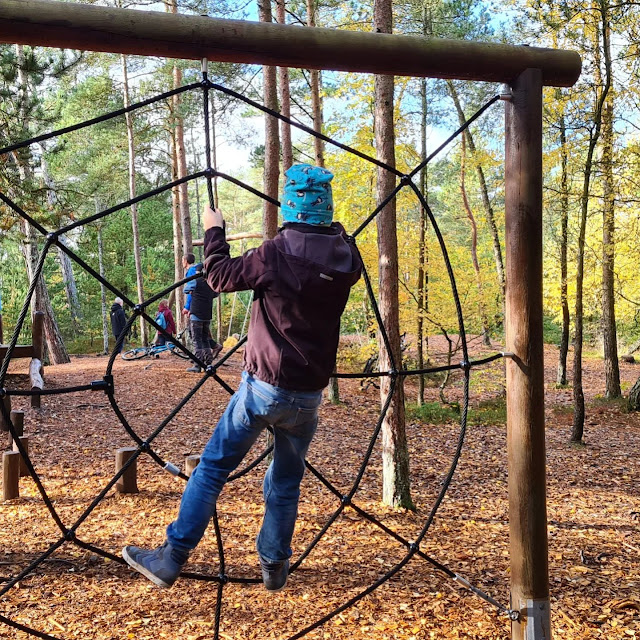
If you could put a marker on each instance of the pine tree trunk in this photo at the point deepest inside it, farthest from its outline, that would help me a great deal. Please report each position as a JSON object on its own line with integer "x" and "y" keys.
{"x": 564, "y": 227}
{"x": 41, "y": 302}
{"x": 177, "y": 294}
{"x": 66, "y": 269}
{"x": 132, "y": 193}
{"x": 609, "y": 334}
{"x": 423, "y": 274}
{"x": 395, "y": 454}
{"x": 103, "y": 292}
{"x": 285, "y": 98}
{"x": 272, "y": 139}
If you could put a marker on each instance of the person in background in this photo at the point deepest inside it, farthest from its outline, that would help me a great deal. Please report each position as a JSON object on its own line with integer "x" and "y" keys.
{"x": 199, "y": 306}
{"x": 118, "y": 320}
{"x": 301, "y": 279}
{"x": 164, "y": 319}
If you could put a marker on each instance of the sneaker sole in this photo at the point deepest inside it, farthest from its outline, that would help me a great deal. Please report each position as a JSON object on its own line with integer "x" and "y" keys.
{"x": 143, "y": 570}
{"x": 274, "y": 590}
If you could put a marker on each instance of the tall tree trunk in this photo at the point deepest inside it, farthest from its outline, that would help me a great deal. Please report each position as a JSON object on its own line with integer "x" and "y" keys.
{"x": 484, "y": 191}
{"x": 66, "y": 269}
{"x": 316, "y": 101}
{"x": 423, "y": 254}
{"x": 132, "y": 193}
{"x": 272, "y": 139}
{"x": 486, "y": 340}
{"x": 70, "y": 289}
{"x": 103, "y": 290}
{"x": 609, "y": 334}
{"x": 41, "y": 302}
{"x": 285, "y": 98}
{"x": 564, "y": 228}
{"x": 177, "y": 294}
{"x": 578, "y": 393}
{"x": 171, "y": 6}
{"x": 55, "y": 344}
{"x": 395, "y": 453}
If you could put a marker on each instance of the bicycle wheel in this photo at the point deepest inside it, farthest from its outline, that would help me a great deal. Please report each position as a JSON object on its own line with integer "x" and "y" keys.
{"x": 136, "y": 354}
{"x": 177, "y": 352}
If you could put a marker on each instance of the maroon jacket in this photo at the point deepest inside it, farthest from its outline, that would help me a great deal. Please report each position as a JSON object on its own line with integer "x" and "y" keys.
{"x": 301, "y": 281}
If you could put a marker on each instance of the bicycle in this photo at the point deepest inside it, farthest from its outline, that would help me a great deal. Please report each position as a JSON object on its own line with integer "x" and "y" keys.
{"x": 155, "y": 350}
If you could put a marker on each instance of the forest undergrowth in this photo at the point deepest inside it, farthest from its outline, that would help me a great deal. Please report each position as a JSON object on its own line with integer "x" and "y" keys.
{"x": 593, "y": 510}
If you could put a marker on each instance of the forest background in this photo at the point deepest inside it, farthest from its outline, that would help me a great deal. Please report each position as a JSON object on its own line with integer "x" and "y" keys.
{"x": 591, "y": 162}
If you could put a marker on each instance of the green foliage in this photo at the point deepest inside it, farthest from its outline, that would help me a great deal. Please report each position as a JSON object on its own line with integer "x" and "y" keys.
{"x": 488, "y": 412}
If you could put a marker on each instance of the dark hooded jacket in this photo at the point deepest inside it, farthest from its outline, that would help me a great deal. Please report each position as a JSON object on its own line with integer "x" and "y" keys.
{"x": 118, "y": 319}
{"x": 301, "y": 281}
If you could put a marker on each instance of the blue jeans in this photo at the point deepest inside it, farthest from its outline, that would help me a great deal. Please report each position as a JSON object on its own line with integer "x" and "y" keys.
{"x": 294, "y": 418}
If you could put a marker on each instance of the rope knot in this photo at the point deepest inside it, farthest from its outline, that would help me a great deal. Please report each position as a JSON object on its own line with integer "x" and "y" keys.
{"x": 70, "y": 535}
{"x": 346, "y": 500}
{"x": 405, "y": 179}
{"x": 145, "y": 446}
{"x": 465, "y": 365}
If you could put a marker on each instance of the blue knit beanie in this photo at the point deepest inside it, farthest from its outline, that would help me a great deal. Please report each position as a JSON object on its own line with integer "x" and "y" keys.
{"x": 307, "y": 195}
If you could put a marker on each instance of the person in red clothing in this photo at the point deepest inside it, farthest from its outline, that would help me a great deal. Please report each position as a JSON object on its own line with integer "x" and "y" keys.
{"x": 164, "y": 319}
{"x": 301, "y": 281}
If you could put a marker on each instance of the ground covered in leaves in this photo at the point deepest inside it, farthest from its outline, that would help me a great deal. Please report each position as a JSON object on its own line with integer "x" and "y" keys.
{"x": 593, "y": 508}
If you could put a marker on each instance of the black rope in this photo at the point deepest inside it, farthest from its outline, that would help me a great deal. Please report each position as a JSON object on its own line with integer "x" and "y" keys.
{"x": 144, "y": 446}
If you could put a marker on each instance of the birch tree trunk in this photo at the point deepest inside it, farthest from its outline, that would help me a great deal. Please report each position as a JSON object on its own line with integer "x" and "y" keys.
{"x": 285, "y": 98}
{"x": 272, "y": 139}
{"x": 132, "y": 193}
{"x": 395, "y": 454}
{"x": 609, "y": 333}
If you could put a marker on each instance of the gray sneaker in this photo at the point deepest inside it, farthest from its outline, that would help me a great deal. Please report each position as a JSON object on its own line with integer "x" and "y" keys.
{"x": 162, "y": 565}
{"x": 194, "y": 369}
{"x": 274, "y": 574}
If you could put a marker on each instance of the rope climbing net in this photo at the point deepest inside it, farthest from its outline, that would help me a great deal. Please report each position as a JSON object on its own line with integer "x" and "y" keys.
{"x": 107, "y": 385}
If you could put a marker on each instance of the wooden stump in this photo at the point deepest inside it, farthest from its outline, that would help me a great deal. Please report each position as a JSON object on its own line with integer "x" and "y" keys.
{"x": 17, "y": 419}
{"x": 24, "y": 441}
{"x": 35, "y": 368}
{"x": 10, "y": 475}
{"x": 127, "y": 483}
{"x": 190, "y": 463}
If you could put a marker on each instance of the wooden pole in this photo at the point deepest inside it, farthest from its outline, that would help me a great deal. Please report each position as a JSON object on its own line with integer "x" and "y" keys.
{"x": 525, "y": 381}
{"x": 128, "y": 481}
{"x": 10, "y": 475}
{"x": 7, "y": 405}
{"x": 96, "y": 28}
{"x": 24, "y": 441}
{"x": 190, "y": 463}
{"x": 17, "y": 419}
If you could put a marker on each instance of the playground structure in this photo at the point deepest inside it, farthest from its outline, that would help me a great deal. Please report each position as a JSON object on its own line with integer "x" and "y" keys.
{"x": 525, "y": 69}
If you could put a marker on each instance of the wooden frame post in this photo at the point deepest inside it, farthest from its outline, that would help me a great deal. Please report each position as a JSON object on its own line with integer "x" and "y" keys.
{"x": 525, "y": 381}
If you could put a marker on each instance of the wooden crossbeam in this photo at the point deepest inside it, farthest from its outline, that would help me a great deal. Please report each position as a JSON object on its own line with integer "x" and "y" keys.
{"x": 153, "y": 33}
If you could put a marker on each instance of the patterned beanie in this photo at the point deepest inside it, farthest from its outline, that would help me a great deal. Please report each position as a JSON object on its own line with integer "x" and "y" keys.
{"x": 307, "y": 195}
